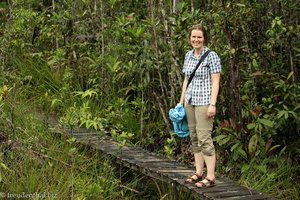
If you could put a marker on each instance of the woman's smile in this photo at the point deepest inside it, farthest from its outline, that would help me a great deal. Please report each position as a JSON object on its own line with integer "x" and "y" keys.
{"x": 197, "y": 40}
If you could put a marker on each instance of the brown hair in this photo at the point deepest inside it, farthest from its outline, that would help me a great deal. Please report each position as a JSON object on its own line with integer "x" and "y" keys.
{"x": 198, "y": 27}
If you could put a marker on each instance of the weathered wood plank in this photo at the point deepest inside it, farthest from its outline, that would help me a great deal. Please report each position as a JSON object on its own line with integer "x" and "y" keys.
{"x": 226, "y": 194}
{"x": 247, "y": 197}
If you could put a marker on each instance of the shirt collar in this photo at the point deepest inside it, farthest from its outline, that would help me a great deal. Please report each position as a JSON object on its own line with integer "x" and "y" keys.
{"x": 204, "y": 50}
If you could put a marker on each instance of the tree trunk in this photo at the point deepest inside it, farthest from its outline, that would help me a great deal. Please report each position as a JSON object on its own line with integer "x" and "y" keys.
{"x": 95, "y": 6}
{"x": 292, "y": 64}
{"x": 53, "y": 5}
{"x": 163, "y": 107}
{"x": 235, "y": 104}
{"x": 10, "y": 7}
{"x": 192, "y": 6}
{"x": 174, "y": 6}
{"x": 175, "y": 75}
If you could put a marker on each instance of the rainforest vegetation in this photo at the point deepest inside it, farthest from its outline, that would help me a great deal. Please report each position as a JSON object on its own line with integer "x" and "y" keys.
{"x": 116, "y": 66}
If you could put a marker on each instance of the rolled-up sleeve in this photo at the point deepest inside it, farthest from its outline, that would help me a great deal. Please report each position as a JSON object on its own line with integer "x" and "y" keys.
{"x": 214, "y": 63}
{"x": 185, "y": 63}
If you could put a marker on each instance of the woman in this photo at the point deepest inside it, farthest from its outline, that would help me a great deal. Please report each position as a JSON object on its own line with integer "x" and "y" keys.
{"x": 200, "y": 104}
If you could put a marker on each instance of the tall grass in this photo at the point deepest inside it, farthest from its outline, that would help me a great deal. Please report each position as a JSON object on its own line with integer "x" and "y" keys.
{"x": 35, "y": 160}
{"x": 274, "y": 176}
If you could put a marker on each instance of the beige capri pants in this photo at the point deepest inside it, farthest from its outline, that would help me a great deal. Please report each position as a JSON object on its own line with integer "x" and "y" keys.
{"x": 200, "y": 127}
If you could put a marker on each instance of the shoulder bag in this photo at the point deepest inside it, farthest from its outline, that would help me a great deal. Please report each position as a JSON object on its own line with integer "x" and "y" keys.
{"x": 197, "y": 66}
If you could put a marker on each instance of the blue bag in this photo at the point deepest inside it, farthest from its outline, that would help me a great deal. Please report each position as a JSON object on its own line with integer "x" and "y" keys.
{"x": 178, "y": 117}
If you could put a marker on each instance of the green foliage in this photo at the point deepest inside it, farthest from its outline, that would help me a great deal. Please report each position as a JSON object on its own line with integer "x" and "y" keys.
{"x": 235, "y": 153}
{"x": 116, "y": 65}
{"x": 272, "y": 175}
{"x": 82, "y": 114}
{"x": 169, "y": 147}
{"x": 123, "y": 138}
{"x": 266, "y": 122}
{"x": 35, "y": 160}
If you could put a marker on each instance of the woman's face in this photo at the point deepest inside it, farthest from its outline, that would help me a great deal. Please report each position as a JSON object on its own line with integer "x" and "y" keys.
{"x": 197, "y": 39}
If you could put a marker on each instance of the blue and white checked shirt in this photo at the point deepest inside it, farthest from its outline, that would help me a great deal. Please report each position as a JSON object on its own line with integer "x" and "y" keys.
{"x": 199, "y": 91}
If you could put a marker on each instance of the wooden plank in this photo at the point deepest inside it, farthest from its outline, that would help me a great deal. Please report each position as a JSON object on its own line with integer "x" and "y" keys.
{"x": 246, "y": 197}
{"x": 224, "y": 194}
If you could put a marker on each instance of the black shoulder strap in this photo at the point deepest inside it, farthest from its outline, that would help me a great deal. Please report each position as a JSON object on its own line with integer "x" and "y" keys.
{"x": 197, "y": 66}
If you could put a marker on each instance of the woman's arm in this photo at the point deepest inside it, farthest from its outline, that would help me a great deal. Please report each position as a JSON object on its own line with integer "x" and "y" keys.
{"x": 214, "y": 94}
{"x": 183, "y": 90}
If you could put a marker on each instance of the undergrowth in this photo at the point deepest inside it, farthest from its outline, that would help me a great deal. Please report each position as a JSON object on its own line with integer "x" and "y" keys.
{"x": 274, "y": 176}
{"x": 36, "y": 161}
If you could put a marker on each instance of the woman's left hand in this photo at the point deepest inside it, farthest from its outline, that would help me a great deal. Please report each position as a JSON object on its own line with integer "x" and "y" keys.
{"x": 211, "y": 111}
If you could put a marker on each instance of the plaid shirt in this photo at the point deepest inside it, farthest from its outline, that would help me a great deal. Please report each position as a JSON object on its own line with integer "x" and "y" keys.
{"x": 199, "y": 91}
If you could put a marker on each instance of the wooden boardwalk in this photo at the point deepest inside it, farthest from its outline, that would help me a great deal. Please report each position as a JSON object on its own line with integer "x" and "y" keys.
{"x": 162, "y": 168}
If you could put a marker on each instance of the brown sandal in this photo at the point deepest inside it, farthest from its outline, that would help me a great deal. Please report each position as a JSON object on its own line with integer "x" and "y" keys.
{"x": 190, "y": 179}
{"x": 207, "y": 183}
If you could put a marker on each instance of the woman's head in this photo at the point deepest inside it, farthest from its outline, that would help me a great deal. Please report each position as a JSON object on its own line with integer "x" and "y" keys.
{"x": 198, "y": 27}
